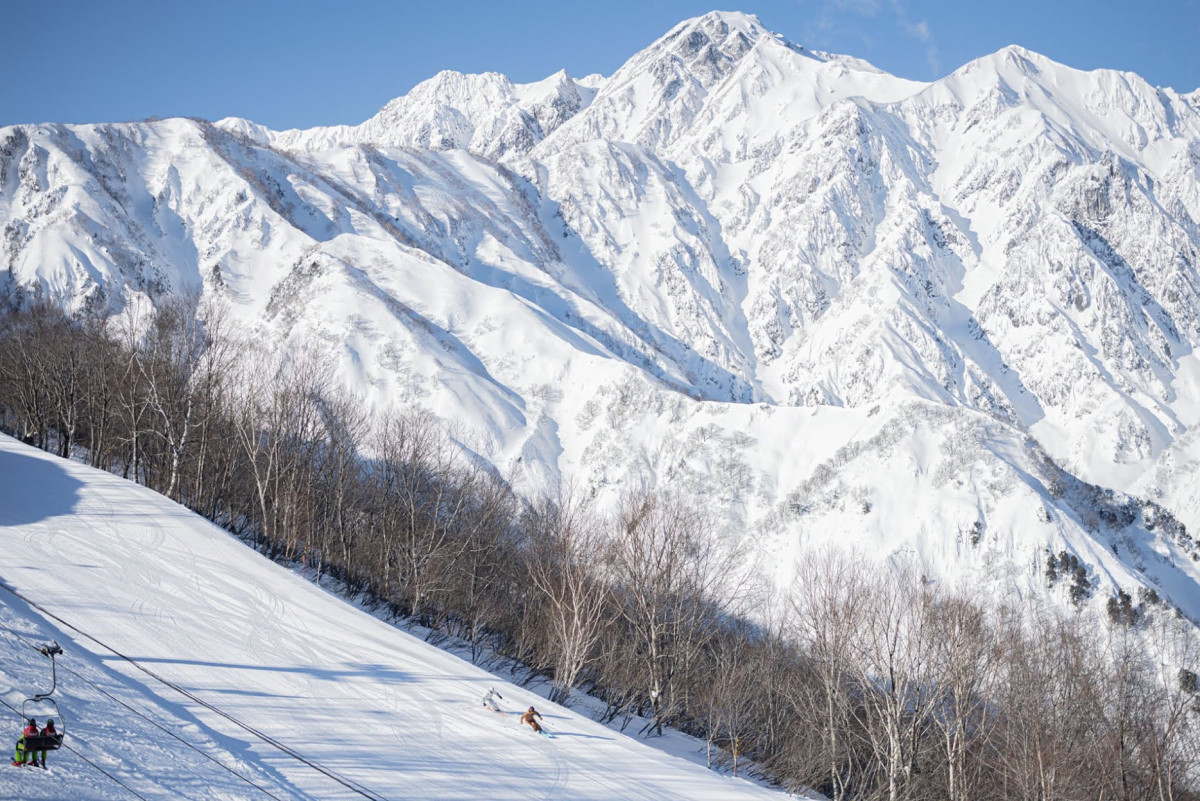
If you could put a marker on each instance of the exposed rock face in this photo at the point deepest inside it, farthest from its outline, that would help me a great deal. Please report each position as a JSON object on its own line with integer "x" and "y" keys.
{"x": 832, "y": 303}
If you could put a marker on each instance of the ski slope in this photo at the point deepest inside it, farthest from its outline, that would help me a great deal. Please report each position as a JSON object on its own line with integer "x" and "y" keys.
{"x": 197, "y": 669}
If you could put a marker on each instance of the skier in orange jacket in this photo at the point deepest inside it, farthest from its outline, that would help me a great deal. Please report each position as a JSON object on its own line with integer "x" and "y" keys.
{"x": 529, "y": 716}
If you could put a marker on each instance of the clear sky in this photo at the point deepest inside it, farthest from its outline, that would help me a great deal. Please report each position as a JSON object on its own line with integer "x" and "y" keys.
{"x": 299, "y": 63}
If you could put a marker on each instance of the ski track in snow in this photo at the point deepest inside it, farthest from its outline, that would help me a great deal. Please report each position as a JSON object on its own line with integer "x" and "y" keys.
{"x": 369, "y": 702}
{"x": 823, "y": 303}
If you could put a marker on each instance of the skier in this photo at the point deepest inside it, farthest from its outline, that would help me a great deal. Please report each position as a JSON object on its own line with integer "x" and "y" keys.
{"x": 48, "y": 731}
{"x": 489, "y": 699}
{"x": 529, "y": 716}
{"x": 19, "y": 755}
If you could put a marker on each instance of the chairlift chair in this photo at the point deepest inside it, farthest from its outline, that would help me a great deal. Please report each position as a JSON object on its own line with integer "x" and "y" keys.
{"x": 45, "y": 742}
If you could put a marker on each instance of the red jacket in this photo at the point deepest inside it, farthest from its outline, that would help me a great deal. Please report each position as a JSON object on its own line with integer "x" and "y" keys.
{"x": 30, "y": 731}
{"x": 50, "y": 730}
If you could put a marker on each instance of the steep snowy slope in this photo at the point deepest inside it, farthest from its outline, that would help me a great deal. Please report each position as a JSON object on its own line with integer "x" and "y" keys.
{"x": 195, "y": 668}
{"x": 785, "y": 279}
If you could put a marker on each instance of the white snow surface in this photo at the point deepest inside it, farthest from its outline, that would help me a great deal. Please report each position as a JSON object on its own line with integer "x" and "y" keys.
{"x": 830, "y": 303}
{"x": 115, "y": 568}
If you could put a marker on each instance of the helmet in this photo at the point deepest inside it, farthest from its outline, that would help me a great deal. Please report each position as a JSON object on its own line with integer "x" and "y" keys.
{"x": 50, "y": 722}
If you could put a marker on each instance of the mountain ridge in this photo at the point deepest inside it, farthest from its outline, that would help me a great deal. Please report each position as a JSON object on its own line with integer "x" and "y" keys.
{"x": 731, "y": 241}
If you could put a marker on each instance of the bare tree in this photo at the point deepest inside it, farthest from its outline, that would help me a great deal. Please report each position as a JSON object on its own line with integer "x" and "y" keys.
{"x": 1173, "y": 750}
{"x": 27, "y": 361}
{"x": 1047, "y": 694}
{"x": 829, "y": 596}
{"x": 102, "y": 363}
{"x": 564, "y": 549}
{"x": 430, "y": 490}
{"x": 890, "y": 655}
{"x": 963, "y": 654}
{"x": 488, "y": 530}
{"x": 669, "y": 578}
{"x": 341, "y": 479}
{"x": 731, "y": 693}
{"x": 182, "y": 362}
{"x": 277, "y": 425}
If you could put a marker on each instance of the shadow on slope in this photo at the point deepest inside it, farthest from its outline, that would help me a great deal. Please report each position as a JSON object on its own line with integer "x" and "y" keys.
{"x": 350, "y": 670}
{"x": 113, "y": 720}
{"x": 44, "y": 488}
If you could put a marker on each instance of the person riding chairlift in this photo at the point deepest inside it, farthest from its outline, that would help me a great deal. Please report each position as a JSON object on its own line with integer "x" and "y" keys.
{"x": 19, "y": 755}
{"x": 49, "y": 731}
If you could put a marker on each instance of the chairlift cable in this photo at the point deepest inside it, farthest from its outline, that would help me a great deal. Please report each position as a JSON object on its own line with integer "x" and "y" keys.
{"x": 349, "y": 784}
{"x": 152, "y": 722}
{"x": 90, "y": 762}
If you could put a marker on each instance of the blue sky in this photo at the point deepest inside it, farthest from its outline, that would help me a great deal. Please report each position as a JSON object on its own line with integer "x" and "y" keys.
{"x": 316, "y": 62}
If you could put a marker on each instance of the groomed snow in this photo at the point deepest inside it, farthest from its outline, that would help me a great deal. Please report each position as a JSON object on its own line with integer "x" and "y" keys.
{"x": 381, "y": 713}
{"x": 829, "y": 304}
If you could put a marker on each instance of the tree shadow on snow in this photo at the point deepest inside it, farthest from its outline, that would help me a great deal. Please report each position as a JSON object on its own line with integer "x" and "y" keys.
{"x": 561, "y": 733}
{"x": 349, "y": 670}
{"x": 33, "y": 488}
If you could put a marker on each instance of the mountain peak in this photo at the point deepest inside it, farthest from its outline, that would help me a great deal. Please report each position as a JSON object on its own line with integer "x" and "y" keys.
{"x": 724, "y": 218}
{"x": 731, "y": 33}
{"x": 738, "y": 20}
{"x": 1010, "y": 61}
{"x": 703, "y": 48}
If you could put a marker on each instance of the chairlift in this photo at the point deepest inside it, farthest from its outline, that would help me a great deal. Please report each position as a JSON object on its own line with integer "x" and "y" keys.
{"x": 45, "y": 742}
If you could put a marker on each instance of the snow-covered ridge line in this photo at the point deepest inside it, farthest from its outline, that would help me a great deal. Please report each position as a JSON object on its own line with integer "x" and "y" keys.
{"x": 726, "y": 266}
{"x": 485, "y": 113}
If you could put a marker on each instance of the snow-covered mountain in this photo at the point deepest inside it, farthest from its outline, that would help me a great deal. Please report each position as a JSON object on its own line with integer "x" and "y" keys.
{"x": 952, "y": 319}
{"x": 196, "y": 668}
